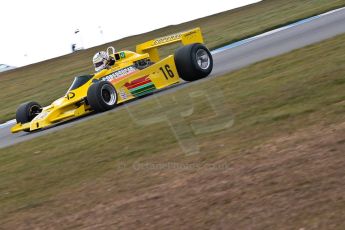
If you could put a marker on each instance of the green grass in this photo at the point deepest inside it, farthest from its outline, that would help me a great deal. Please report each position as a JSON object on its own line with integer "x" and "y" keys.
{"x": 268, "y": 99}
{"x": 44, "y": 82}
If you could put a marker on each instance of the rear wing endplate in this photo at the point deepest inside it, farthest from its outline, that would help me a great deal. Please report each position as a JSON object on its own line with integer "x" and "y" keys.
{"x": 187, "y": 37}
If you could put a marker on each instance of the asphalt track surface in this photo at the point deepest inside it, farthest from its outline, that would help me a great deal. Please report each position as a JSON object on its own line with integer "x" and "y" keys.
{"x": 232, "y": 57}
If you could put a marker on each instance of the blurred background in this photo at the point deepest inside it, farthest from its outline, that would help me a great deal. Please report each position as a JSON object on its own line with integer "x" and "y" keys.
{"x": 36, "y": 30}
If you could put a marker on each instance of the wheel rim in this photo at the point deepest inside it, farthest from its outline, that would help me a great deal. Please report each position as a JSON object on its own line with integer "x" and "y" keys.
{"x": 108, "y": 94}
{"x": 34, "y": 111}
{"x": 202, "y": 58}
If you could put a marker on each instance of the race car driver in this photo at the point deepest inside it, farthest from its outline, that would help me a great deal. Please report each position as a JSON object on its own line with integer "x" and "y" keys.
{"x": 101, "y": 60}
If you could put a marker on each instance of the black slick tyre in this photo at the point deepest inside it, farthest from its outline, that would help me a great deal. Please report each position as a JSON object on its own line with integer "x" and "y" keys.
{"x": 193, "y": 62}
{"x": 27, "y": 111}
{"x": 102, "y": 96}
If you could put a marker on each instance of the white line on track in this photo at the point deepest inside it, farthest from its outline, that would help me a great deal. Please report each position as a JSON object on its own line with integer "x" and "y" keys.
{"x": 246, "y": 41}
{"x": 8, "y": 123}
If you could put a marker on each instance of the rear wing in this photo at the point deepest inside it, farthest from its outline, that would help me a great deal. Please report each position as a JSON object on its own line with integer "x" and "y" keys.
{"x": 187, "y": 37}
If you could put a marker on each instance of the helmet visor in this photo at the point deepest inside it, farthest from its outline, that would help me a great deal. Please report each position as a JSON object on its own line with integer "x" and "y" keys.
{"x": 98, "y": 64}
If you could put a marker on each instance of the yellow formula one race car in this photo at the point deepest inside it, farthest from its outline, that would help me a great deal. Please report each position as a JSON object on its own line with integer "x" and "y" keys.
{"x": 130, "y": 75}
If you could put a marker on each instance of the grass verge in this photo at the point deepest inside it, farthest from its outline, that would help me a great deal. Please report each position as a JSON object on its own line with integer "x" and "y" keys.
{"x": 46, "y": 178}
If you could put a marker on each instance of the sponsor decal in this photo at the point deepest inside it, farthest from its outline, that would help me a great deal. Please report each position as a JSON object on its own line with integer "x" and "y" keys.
{"x": 190, "y": 33}
{"x": 123, "y": 94}
{"x": 70, "y": 95}
{"x": 140, "y": 86}
{"x": 122, "y": 55}
{"x": 119, "y": 73}
{"x": 167, "y": 39}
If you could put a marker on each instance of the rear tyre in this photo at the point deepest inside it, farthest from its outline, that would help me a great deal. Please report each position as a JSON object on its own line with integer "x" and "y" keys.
{"x": 102, "y": 96}
{"x": 26, "y": 112}
{"x": 193, "y": 62}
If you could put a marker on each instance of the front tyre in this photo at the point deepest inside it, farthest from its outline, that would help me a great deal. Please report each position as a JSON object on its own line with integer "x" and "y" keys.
{"x": 102, "y": 96}
{"x": 26, "y": 112}
{"x": 193, "y": 62}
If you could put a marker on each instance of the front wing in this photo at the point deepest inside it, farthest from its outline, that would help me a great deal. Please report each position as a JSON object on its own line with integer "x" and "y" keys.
{"x": 50, "y": 116}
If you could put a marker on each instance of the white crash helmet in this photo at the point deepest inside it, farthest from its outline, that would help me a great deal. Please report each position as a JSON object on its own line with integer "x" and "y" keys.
{"x": 100, "y": 60}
